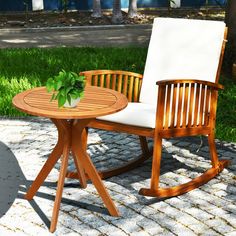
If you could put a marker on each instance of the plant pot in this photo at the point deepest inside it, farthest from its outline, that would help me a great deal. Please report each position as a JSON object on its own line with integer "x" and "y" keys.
{"x": 74, "y": 103}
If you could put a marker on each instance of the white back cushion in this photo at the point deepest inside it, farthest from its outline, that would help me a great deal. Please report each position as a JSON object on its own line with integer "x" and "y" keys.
{"x": 181, "y": 49}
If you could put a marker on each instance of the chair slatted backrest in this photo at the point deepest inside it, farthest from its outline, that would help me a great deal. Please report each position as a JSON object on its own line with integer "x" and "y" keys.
{"x": 127, "y": 83}
{"x": 181, "y": 49}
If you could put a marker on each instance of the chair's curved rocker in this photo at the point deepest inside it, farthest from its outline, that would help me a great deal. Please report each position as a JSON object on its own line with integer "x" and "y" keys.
{"x": 179, "y": 48}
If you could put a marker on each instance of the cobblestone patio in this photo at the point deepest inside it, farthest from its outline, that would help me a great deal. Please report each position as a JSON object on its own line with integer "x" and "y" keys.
{"x": 25, "y": 144}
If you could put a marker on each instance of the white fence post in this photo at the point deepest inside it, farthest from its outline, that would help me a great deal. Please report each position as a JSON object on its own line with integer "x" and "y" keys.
{"x": 175, "y": 3}
{"x": 37, "y": 5}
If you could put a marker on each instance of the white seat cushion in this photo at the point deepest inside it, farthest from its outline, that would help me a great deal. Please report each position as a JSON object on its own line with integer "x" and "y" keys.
{"x": 137, "y": 114}
{"x": 181, "y": 49}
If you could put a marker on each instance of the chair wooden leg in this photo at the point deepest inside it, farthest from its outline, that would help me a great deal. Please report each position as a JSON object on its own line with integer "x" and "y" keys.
{"x": 144, "y": 145}
{"x": 219, "y": 165}
{"x": 213, "y": 152}
{"x": 156, "y": 166}
{"x": 156, "y": 163}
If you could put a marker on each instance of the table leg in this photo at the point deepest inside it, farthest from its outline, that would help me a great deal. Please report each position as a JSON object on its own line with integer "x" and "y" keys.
{"x": 80, "y": 171}
{"x": 84, "y": 159}
{"x": 71, "y": 137}
{"x": 62, "y": 175}
{"x": 49, "y": 164}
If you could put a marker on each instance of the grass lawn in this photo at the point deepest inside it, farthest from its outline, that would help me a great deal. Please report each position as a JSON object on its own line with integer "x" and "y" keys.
{"x": 21, "y": 69}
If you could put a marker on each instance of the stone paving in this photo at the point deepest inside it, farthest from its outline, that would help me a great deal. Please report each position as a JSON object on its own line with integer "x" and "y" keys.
{"x": 26, "y": 143}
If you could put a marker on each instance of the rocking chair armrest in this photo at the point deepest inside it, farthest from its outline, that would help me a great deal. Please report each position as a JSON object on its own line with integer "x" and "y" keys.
{"x": 186, "y": 81}
{"x": 125, "y": 82}
{"x": 187, "y": 105}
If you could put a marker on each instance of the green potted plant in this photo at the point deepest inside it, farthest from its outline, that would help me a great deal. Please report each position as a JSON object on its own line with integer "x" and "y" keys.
{"x": 67, "y": 88}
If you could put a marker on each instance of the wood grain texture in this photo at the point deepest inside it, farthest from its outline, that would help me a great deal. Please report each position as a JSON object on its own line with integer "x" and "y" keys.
{"x": 125, "y": 82}
{"x": 96, "y": 102}
{"x": 185, "y": 108}
{"x": 72, "y": 137}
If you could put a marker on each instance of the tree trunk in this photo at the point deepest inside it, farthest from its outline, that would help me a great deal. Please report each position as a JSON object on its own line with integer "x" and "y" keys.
{"x": 230, "y": 20}
{"x": 133, "y": 12}
{"x": 97, "y": 11}
{"x": 117, "y": 17}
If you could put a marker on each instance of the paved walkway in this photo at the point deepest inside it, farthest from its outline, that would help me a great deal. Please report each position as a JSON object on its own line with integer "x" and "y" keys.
{"x": 119, "y": 35}
{"x": 25, "y": 145}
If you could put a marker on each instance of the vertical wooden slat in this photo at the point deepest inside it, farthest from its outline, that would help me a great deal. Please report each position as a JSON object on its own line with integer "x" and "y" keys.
{"x": 136, "y": 83}
{"x": 131, "y": 85}
{"x": 191, "y": 100}
{"x": 113, "y": 82}
{"x": 167, "y": 112}
{"x": 201, "y": 105}
{"x": 172, "y": 122}
{"x": 160, "y": 108}
{"x": 119, "y": 86}
{"x": 95, "y": 80}
{"x": 179, "y": 106}
{"x": 125, "y": 85}
{"x": 88, "y": 79}
{"x": 102, "y": 81}
{"x": 185, "y": 107}
{"x": 195, "y": 114}
{"x": 140, "y": 86}
{"x": 108, "y": 80}
{"x": 207, "y": 107}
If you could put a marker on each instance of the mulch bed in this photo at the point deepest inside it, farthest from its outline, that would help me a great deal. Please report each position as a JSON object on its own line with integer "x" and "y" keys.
{"x": 58, "y": 19}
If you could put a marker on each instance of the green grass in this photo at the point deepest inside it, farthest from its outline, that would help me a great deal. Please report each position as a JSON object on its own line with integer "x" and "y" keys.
{"x": 21, "y": 69}
{"x": 226, "y": 111}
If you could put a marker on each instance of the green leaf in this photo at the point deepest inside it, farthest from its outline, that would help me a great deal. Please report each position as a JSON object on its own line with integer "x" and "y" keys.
{"x": 53, "y": 97}
{"x": 58, "y": 85}
{"x": 62, "y": 91}
{"x": 61, "y": 100}
{"x": 81, "y": 94}
{"x": 69, "y": 99}
{"x": 69, "y": 89}
{"x": 50, "y": 84}
{"x": 75, "y": 94}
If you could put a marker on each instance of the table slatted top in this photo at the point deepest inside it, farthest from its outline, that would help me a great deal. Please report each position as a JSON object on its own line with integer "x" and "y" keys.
{"x": 96, "y": 102}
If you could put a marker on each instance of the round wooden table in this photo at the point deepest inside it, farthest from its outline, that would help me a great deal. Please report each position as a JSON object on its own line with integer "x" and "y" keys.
{"x": 71, "y": 125}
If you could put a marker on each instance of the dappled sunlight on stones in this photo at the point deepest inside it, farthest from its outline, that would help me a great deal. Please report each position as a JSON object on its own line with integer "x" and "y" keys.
{"x": 82, "y": 211}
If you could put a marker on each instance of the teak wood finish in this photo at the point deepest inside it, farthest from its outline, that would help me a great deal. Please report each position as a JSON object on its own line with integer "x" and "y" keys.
{"x": 71, "y": 125}
{"x": 129, "y": 84}
{"x": 184, "y": 108}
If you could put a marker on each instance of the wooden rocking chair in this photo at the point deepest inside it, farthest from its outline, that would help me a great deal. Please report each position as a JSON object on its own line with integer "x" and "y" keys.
{"x": 190, "y": 51}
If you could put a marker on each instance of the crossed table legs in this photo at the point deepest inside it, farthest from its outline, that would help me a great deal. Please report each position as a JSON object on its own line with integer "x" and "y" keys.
{"x": 71, "y": 138}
